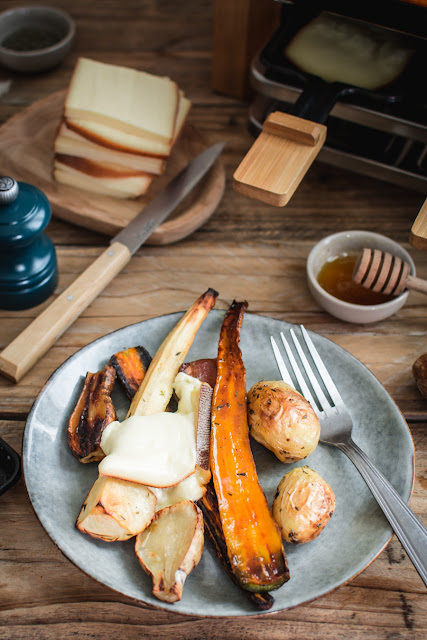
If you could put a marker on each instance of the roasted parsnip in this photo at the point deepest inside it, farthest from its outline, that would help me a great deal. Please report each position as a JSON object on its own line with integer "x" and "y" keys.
{"x": 252, "y": 537}
{"x": 157, "y": 386}
{"x": 171, "y": 547}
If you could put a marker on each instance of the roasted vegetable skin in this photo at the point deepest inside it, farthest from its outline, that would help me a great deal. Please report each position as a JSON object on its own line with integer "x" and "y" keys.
{"x": 131, "y": 366}
{"x": 93, "y": 412}
{"x": 254, "y": 544}
{"x": 171, "y": 547}
{"x": 303, "y": 505}
{"x": 209, "y": 506}
{"x": 203, "y": 369}
{"x": 282, "y": 420}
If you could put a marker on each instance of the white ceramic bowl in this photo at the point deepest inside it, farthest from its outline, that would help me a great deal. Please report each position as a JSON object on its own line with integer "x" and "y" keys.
{"x": 48, "y": 19}
{"x": 353, "y": 242}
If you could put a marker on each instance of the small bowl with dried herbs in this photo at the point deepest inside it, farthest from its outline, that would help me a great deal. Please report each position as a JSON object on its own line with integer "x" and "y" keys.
{"x": 34, "y": 39}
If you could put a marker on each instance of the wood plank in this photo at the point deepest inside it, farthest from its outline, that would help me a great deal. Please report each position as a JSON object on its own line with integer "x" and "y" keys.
{"x": 240, "y": 29}
{"x": 272, "y": 278}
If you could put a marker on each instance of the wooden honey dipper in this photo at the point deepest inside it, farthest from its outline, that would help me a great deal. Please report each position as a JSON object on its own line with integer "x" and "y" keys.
{"x": 383, "y": 272}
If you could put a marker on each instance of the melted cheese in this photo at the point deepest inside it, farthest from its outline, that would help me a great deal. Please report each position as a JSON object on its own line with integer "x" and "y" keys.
{"x": 157, "y": 450}
{"x": 191, "y": 488}
{"x": 342, "y": 50}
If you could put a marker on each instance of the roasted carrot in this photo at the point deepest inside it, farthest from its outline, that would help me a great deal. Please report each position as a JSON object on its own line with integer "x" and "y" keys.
{"x": 209, "y": 506}
{"x": 131, "y": 366}
{"x": 253, "y": 540}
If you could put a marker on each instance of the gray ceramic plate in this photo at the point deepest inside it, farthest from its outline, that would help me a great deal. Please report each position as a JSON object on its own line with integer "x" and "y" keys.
{"x": 57, "y": 483}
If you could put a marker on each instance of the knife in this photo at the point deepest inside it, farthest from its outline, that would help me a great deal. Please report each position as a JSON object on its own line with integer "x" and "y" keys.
{"x": 23, "y": 352}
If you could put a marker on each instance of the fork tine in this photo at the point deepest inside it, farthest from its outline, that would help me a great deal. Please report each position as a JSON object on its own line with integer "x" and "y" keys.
{"x": 323, "y": 401}
{"x": 281, "y": 363}
{"x": 329, "y": 383}
{"x": 301, "y": 381}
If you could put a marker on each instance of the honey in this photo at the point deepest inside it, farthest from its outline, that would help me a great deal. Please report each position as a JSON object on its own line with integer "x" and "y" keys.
{"x": 336, "y": 278}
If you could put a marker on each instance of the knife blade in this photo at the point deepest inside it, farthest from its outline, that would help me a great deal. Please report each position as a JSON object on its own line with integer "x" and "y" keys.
{"x": 156, "y": 211}
{"x": 24, "y": 351}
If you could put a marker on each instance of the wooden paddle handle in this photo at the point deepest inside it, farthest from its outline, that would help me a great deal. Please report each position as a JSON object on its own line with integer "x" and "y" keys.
{"x": 279, "y": 158}
{"x": 23, "y": 352}
{"x": 418, "y": 236}
{"x": 416, "y": 284}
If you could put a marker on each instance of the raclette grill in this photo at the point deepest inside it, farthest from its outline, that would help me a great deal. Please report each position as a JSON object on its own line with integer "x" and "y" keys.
{"x": 381, "y": 133}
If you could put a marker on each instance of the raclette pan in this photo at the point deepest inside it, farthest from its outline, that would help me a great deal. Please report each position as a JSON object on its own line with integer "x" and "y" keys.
{"x": 319, "y": 96}
{"x": 289, "y": 142}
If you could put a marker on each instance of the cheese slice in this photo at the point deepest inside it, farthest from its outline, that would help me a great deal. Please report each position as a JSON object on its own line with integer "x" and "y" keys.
{"x": 132, "y": 101}
{"x": 70, "y": 143}
{"x": 118, "y": 187}
{"x": 99, "y": 169}
{"x": 115, "y": 138}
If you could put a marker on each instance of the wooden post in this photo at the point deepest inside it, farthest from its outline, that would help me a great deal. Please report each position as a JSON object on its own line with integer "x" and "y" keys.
{"x": 241, "y": 28}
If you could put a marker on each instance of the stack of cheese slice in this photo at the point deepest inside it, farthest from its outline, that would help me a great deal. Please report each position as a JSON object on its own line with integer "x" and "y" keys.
{"x": 118, "y": 129}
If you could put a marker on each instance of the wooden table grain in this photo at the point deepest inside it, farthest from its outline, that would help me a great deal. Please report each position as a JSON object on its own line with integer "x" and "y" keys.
{"x": 246, "y": 250}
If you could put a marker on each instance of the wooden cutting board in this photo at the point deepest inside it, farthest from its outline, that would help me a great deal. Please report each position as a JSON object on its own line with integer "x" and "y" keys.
{"x": 26, "y": 154}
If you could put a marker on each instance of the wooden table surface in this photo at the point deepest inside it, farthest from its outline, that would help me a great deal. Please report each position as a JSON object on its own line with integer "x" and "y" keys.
{"x": 246, "y": 250}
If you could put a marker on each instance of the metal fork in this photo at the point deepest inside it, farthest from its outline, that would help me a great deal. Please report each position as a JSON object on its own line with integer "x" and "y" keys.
{"x": 336, "y": 428}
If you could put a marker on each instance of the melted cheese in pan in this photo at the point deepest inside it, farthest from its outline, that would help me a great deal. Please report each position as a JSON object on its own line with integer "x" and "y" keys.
{"x": 342, "y": 50}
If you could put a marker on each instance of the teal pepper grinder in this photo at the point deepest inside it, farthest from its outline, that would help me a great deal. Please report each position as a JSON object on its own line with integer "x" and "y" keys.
{"x": 28, "y": 266}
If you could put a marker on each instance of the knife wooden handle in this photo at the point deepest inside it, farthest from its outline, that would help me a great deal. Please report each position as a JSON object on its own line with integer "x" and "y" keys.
{"x": 418, "y": 236}
{"x": 23, "y": 352}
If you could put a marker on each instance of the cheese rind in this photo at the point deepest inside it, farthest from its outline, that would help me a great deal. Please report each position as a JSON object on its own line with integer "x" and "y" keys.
{"x": 120, "y": 187}
{"x": 70, "y": 143}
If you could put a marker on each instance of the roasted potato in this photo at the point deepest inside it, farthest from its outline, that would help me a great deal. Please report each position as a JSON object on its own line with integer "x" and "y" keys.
{"x": 302, "y": 506}
{"x": 282, "y": 420}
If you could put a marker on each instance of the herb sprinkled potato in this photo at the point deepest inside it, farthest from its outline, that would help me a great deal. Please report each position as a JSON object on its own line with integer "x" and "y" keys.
{"x": 303, "y": 505}
{"x": 282, "y": 420}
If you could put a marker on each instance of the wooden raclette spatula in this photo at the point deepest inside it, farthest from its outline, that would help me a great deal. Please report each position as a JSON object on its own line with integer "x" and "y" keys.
{"x": 418, "y": 235}
{"x": 279, "y": 158}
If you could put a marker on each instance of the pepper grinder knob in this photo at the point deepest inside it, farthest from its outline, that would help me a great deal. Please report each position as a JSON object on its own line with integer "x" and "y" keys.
{"x": 9, "y": 190}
